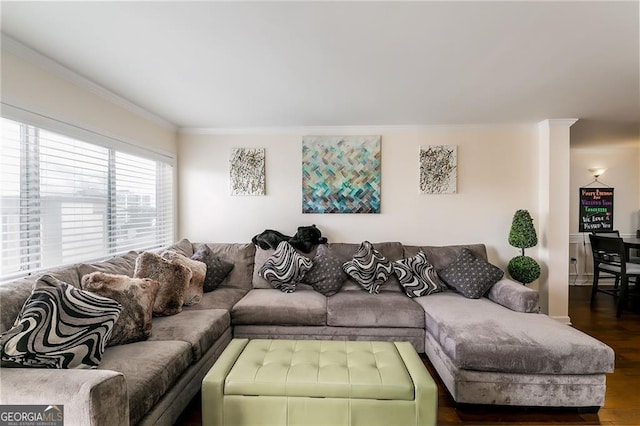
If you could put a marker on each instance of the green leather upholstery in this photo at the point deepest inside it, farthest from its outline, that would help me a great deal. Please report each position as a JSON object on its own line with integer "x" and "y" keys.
{"x": 295, "y": 382}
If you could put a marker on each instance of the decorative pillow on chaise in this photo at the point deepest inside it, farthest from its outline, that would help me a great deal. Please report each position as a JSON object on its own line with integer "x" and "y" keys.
{"x": 198, "y": 271}
{"x": 369, "y": 268}
{"x": 173, "y": 277}
{"x": 326, "y": 276}
{"x": 417, "y": 276}
{"x": 217, "y": 269}
{"x": 285, "y": 268}
{"x": 470, "y": 275}
{"x": 135, "y": 295}
{"x": 59, "y": 326}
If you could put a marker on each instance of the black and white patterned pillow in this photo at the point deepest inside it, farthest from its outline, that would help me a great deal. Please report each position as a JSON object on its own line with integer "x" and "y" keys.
{"x": 369, "y": 268}
{"x": 326, "y": 276}
{"x": 285, "y": 268}
{"x": 60, "y": 326}
{"x": 470, "y": 275}
{"x": 417, "y": 276}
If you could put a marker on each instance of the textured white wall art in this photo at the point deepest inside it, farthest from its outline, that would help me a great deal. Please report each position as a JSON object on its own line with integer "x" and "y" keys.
{"x": 438, "y": 169}
{"x": 246, "y": 167}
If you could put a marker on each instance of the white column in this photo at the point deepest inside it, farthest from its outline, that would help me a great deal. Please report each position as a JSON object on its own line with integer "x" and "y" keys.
{"x": 553, "y": 221}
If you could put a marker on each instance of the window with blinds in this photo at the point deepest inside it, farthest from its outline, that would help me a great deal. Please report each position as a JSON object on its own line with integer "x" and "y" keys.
{"x": 64, "y": 200}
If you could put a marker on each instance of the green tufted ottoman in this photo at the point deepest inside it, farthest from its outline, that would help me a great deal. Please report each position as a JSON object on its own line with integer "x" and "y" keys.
{"x": 314, "y": 382}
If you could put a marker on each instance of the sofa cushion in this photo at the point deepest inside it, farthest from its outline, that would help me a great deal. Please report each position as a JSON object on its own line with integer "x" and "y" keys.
{"x": 355, "y": 308}
{"x": 217, "y": 268}
{"x": 173, "y": 277}
{"x": 514, "y": 296}
{"x": 221, "y": 298}
{"x": 150, "y": 370}
{"x": 478, "y": 334}
{"x": 60, "y": 326}
{"x": 285, "y": 268}
{"x": 417, "y": 276}
{"x": 442, "y": 256}
{"x": 199, "y": 328}
{"x": 121, "y": 265}
{"x": 68, "y": 274}
{"x": 135, "y": 295}
{"x": 184, "y": 247}
{"x": 194, "y": 292}
{"x": 326, "y": 276}
{"x": 241, "y": 255}
{"x": 369, "y": 268}
{"x": 471, "y": 275}
{"x": 271, "y": 306}
{"x": 12, "y": 298}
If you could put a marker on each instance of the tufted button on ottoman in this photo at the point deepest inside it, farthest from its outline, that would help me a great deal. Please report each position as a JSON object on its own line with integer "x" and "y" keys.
{"x": 314, "y": 382}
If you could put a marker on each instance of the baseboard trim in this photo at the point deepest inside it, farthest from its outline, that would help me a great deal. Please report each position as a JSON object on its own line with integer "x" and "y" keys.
{"x": 563, "y": 319}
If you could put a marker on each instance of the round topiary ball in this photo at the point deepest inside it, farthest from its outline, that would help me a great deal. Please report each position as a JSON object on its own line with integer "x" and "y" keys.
{"x": 523, "y": 269}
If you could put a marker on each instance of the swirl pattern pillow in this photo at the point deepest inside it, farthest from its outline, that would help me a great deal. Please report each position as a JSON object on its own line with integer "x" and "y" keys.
{"x": 417, "y": 276}
{"x": 369, "y": 268}
{"x": 285, "y": 268}
{"x": 60, "y": 326}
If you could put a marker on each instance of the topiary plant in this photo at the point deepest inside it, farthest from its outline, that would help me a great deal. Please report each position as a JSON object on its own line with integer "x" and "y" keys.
{"x": 522, "y": 235}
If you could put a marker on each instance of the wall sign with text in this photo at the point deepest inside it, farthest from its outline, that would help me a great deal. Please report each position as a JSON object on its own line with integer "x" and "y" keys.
{"x": 596, "y": 209}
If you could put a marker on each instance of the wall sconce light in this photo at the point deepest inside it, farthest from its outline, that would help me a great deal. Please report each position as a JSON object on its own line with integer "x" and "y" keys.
{"x": 597, "y": 172}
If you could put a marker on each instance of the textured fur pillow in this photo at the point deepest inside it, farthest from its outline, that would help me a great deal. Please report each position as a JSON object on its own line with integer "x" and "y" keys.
{"x": 59, "y": 326}
{"x": 217, "y": 269}
{"x": 136, "y": 295}
{"x": 369, "y": 268}
{"x": 173, "y": 277}
{"x": 198, "y": 271}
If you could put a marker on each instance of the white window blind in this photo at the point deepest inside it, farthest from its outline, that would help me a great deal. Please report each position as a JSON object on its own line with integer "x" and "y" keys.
{"x": 64, "y": 201}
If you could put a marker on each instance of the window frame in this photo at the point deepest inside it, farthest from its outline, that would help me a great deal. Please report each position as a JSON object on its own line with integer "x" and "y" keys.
{"x": 97, "y": 138}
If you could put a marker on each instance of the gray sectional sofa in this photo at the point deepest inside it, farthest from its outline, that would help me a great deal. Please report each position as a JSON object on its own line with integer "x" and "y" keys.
{"x": 493, "y": 350}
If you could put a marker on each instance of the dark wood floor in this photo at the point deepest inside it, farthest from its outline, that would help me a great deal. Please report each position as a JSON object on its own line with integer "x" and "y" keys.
{"x": 622, "y": 402}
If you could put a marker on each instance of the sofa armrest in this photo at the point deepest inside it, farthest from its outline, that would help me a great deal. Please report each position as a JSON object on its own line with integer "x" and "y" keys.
{"x": 514, "y": 296}
{"x": 90, "y": 397}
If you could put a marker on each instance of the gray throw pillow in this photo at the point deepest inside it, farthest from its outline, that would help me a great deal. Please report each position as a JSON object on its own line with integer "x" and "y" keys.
{"x": 285, "y": 268}
{"x": 217, "y": 269}
{"x": 369, "y": 268}
{"x": 59, "y": 326}
{"x": 470, "y": 275}
{"x": 135, "y": 295}
{"x": 326, "y": 276}
{"x": 417, "y": 276}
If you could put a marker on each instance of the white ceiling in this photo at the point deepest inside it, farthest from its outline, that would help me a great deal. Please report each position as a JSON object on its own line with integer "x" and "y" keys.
{"x": 273, "y": 64}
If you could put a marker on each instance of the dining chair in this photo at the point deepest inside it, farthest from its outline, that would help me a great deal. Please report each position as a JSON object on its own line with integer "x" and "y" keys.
{"x": 610, "y": 256}
{"x": 613, "y": 233}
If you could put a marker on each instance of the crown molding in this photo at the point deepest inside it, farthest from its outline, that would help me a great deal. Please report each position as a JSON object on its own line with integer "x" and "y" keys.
{"x": 344, "y": 130}
{"x": 42, "y": 61}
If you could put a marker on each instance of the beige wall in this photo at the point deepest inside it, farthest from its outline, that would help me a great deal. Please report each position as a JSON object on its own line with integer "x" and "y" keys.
{"x": 41, "y": 91}
{"x": 497, "y": 174}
